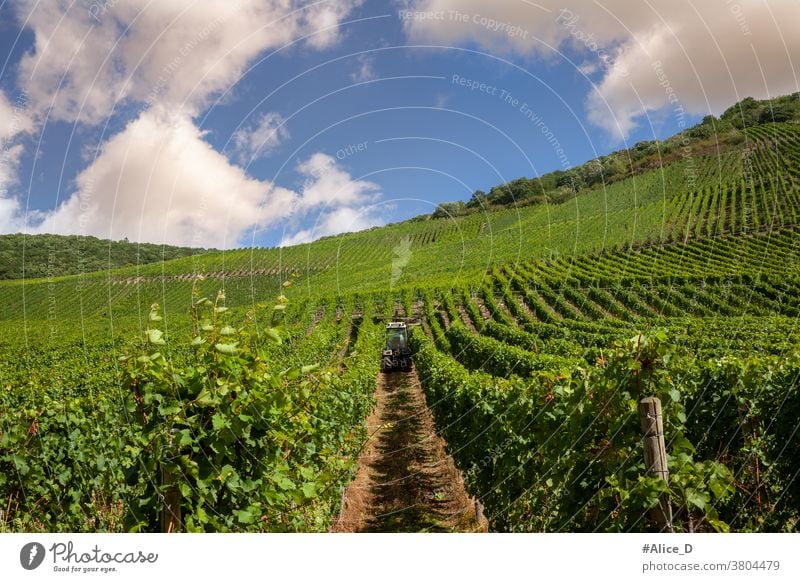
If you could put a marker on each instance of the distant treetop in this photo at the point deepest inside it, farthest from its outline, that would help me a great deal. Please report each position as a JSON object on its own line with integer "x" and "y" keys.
{"x": 52, "y": 255}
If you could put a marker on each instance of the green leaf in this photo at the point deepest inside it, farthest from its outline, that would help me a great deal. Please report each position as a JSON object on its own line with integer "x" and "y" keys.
{"x": 206, "y": 398}
{"x": 201, "y": 515}
{"x": 185, "y": 489}
{"x": 219, "y": 422}
{"x": 283, "y": 482}
{"x": 273, "y": 334}
{"x": 245, "y": 516}
{"x": 227, "y": 330}
{"x": 682, "y": 445}
{"x": 186, "y": 438}
{"x": 64, "y": 476}
{"x": 22, "y": 467}
{"x": 310, "y": 490}
{"x": 697, "y": 498}
{"x": 226, "y": 472}
{"x": 718, "y": 525}
{"x": 228, "y": 349}
{"x": 154, "y": 336}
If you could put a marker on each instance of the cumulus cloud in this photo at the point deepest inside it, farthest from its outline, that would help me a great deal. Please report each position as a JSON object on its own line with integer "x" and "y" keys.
{"x": 14, "y": 118}
{"x": 334, "y": 222}
{"x": 327, "y": 184}
{"x": 701, "y": 56}
{"x": 14, "y": 121}
{"x": 10, "y": 212}
{"x": 341, "y": 203}
{"x": 159, "y": 181}
{"x": 261, "y": 137}
{"x": 9, "y": 161}
{"x": 176, "y": 53}
{"x": 322, "y": 20}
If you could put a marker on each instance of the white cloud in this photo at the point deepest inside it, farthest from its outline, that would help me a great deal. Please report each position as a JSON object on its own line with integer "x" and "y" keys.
{"x": 337, "y": 221}
{"x": 343, "y": 204}
{"x": 588, "y": 68}
{"x": 365, "y": 72}
{"x": 328, "y": 185}
{"x": 11, "y": 219}
{"x": 712, "y": 53}
{"x": 177, "y": 53}
{"x": 14, "y": 121}
{"x": 323, "y": 18}
{"x": 260, "y": 138}
{"x": 9, "y": 161}
{"x": 14, "y": 118}
{"x": 159, "y": 181}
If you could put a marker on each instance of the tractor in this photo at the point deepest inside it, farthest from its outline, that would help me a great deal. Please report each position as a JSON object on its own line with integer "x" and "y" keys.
{"x": 397, "y": 353}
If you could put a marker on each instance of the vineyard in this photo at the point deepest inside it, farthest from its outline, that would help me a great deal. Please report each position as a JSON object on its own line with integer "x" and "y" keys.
{"x": 230, "y": 391}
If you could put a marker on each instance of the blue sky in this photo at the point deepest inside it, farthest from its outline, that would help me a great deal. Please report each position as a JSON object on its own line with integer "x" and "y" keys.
{"x": 195, "y": 124}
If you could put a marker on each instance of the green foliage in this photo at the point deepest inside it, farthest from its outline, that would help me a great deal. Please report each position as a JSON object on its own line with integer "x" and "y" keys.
{"x": 255, "y": 440}
{"x": 258, "y": 409}
{"x": 562, "y": 451}
{"x": 643, "y": 156}
{"x": 750, "y": 112}
{"x": 478, "y": 352}
{"x": 450, "y": 209}
{"x": 745, "y": 410}
{"x": 51, "y": 255}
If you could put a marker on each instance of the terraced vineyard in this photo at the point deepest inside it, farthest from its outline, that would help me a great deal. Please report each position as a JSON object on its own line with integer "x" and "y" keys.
{"x": 535, "y": 387}
{"x": 541, "y": 328}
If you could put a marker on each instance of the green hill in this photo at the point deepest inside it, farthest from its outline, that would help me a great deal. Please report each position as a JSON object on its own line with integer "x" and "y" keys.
{"x": 541, "y": 327}
{"x": 712, "y": 137}
{"x": 51, "y": 255}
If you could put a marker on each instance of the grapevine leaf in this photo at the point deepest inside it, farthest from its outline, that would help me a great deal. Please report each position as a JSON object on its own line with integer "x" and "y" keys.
{"x": 228, "y": 349}
{"x": 155, "y": 337}
{"x": 274, "y": 335}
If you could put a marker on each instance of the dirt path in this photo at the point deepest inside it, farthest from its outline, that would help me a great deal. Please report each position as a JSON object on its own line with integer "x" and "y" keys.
{"x": 466, "y": 319}
{"x": 406, "y": 481}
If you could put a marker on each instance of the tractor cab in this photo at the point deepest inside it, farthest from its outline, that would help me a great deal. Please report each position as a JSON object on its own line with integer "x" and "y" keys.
{"x": 396, "y": 353}
{"x": 396, "y": 336}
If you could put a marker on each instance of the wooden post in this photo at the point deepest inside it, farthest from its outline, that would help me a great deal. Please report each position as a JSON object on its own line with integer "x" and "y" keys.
{"x": 655, "y": 457}
{"x": 749, "y": 427}
{"x": 171, "y": 514}
{"x": 480, "y": 517}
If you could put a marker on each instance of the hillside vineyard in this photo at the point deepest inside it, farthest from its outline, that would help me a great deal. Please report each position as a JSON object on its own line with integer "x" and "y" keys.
{"x": 242, "y": 406}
